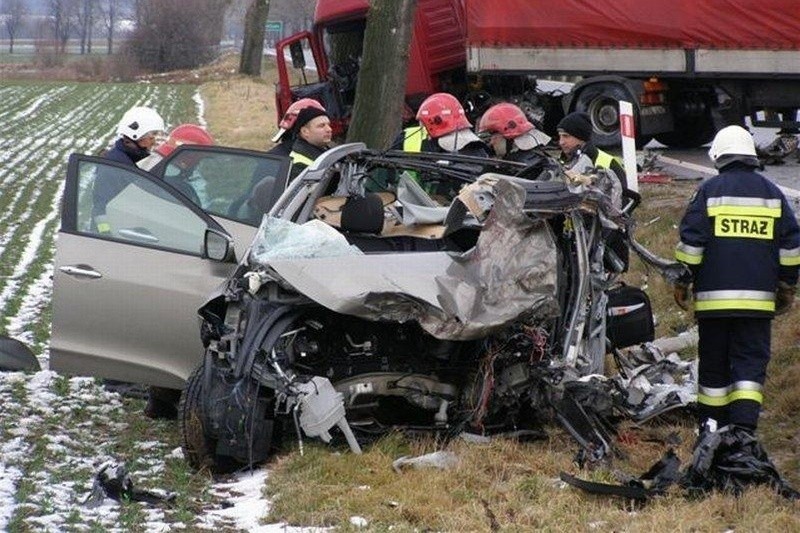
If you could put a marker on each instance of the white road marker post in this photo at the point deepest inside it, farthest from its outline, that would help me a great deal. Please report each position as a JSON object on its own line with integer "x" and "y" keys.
{"x": 628, "y": 132}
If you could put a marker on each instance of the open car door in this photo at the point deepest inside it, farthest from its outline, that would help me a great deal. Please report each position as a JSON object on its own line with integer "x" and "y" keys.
{"x": 233, "y": 185}
{"x": 135, "y": 260}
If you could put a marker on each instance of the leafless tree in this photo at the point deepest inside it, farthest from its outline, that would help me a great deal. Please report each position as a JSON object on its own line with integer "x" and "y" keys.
{"x": 379, "y": 100}
{"x": 57, "y": 10}
{"x": 109, "y": 11}
{"x": 15, "y": 11}
{"x": 255, "y": 21}
{"x": 84, "y": 23}
{"x": 175, "y": 34}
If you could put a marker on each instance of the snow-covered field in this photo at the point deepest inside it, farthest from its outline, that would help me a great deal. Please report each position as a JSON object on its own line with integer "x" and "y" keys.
{"x": 56, "y": 431}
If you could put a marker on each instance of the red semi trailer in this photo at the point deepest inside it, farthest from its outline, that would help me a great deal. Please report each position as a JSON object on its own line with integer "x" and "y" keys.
{"x": 688, "y": 66}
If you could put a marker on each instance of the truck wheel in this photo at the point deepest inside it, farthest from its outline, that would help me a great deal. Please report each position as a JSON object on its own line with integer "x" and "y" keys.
{"x": 689, "y": 132}
{"x": 601, "y": 102}
{"x": 198, "y": 447}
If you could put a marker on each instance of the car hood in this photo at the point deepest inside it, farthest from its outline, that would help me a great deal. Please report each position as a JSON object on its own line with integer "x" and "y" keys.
{"x": 510, "y": 272}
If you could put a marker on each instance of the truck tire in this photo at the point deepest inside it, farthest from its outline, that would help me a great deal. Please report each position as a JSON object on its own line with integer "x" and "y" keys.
{"x": 198, "y": 447}
{"x": 601, "y": 102}
{"x": 689, "y": 132}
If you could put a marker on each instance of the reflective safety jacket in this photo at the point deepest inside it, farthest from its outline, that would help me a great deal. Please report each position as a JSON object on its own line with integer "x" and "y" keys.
{"x": 740, "y": 237}
{"x": 303, "y": 154}
{"x": 413, "y": 137}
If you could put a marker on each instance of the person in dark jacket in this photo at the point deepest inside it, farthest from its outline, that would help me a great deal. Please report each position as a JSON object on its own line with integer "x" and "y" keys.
{"x": 313, "y": 135}
{"x": 574, "y": 139}
{"x": 574, "y": 134}
{"x": 741, "y": 241}
{"x": 449, "y": 131}
{"x": 285, "y": 136}
{"x": 138, "y": 130}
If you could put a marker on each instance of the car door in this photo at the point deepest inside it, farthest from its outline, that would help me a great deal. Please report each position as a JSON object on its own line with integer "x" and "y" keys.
{"x": 130, "y": 273}
{"x": 233, "y": 185}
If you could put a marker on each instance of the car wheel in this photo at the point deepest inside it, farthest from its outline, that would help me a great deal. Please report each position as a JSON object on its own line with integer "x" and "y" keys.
{"x": 198, "y": 446}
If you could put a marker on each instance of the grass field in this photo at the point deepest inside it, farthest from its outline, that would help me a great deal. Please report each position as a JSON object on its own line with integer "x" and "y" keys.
{"x": 55, "y": 431}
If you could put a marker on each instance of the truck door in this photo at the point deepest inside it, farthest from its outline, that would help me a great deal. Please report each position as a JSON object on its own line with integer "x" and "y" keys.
{"x": 308, "y": 77}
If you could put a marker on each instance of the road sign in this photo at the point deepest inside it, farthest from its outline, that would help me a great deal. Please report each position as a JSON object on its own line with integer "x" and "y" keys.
{"x": 275, "y": 26}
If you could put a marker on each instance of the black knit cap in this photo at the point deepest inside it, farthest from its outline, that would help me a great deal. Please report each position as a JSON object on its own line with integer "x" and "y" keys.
{"x": 578, "y": 124}
{"x": 306, "y": 115}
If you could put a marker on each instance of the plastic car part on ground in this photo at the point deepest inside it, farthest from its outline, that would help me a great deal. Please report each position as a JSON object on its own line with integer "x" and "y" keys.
{"x": 441, "y": 459}
{"x": 16, "y": 356}
{"x": 113, "y": 481}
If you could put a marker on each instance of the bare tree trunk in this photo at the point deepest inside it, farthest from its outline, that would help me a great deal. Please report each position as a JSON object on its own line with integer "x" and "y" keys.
{"x": 255, "y": 21}
{"x": 112, "y": 19}
{"x": 378, "y": 107}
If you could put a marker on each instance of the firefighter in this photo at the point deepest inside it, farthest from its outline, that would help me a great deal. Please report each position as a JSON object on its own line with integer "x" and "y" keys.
{"x": 740, "y": 239}
{"x": 448, "y": 129}
{"x": 511, "y": 135}
{"x": 312, "y": 129}
{"x": 138, "y": 131}
{"x": 574, "y": 134}
{"x": 180, "y": 135}
{"x": 285, "y": 136}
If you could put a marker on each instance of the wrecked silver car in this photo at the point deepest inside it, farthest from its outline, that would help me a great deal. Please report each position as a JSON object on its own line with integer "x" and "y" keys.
{"x": 414, "y": 291}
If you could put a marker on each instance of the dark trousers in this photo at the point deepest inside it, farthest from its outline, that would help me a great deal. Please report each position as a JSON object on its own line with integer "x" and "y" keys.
{"x": 734, "y": 353}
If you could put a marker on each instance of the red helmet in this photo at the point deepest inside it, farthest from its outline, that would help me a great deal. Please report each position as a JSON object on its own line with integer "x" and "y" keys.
{"x": 291, "y": 114}
{"x": 185, "y": 134}
{"x": 441, "y": 113}
{"x": 506, "y": 119}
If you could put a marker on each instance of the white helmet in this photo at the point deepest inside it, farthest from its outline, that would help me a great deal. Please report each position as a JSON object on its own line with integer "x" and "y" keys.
{"x": 139, "y": 121}
{"x": 732, "y": 140}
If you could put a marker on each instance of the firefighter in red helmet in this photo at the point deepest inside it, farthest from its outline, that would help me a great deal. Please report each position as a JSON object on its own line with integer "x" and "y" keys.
{"x": 180, "y": 135}
{"x": 511, "y": 135}
{"x": 286, "y": 136}
{"x": 443, "y": 117}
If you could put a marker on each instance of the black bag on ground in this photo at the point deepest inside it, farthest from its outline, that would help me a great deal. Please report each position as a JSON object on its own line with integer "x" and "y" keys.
{"x": 630, "y": 317}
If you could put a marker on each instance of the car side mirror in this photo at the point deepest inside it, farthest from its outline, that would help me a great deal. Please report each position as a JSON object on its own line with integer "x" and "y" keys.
{"x": 298, "y": 57}
{"x": 217, "y": 246}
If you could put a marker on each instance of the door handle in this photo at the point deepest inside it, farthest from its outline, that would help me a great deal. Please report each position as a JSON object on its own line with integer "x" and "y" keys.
{"x": 81, "y": 271}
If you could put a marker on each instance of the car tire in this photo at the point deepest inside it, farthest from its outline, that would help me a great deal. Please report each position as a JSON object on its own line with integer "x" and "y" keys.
{"x": 198, "y": 447}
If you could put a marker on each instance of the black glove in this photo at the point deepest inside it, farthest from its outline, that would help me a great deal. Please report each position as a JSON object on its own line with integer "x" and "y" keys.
{"x": 682, "y": 295}
{"x": 784, "y": 297}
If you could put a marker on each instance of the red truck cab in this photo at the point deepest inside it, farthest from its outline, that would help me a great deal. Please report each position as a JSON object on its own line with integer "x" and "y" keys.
{"x": 436, "y": 55}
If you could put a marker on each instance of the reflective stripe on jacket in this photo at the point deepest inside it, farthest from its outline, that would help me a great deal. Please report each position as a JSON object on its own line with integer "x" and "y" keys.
{"x": 740, "y": 237}
{"x": 300, "y": 158}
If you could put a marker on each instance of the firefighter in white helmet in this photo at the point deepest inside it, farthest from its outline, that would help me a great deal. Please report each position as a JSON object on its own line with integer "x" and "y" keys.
{"x": 138, "y": 131}
{"x": 740, "y": 239}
